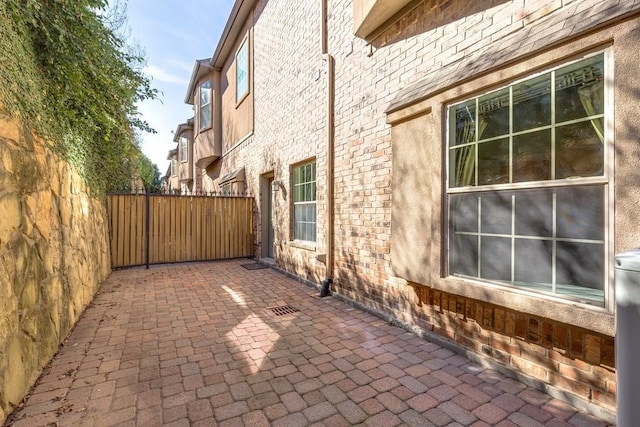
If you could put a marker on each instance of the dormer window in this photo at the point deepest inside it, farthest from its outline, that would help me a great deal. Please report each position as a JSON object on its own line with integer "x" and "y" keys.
{"x": 204, "y": 104}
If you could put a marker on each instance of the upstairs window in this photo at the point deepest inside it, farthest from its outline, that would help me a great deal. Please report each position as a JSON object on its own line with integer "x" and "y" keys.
{"x": 527, "y": 184}
{"x": 304, "y": 202}
{"x": 174, "y": 167}
{"x": 204, "y": 104}
{"x": 183, "y": 149}
{"x": 242, "y": 71}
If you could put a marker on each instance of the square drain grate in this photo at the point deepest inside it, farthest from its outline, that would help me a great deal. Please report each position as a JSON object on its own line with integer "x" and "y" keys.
{"x": 254, "y": 266}
{"x": 283, "y": 310}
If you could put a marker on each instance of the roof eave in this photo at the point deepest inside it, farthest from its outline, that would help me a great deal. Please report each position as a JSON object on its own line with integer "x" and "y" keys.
{"x": 188, "y": 125}
{"x": 200, "y": 68}
{"x": 172, "y": 153}
{"x": 237, "y": 18}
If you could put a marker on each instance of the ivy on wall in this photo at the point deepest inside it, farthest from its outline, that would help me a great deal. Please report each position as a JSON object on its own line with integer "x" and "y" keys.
{"x": 72, "y": 79}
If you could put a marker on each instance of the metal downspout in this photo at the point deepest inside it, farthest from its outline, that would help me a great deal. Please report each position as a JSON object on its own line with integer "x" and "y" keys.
{"x": 330, "y": 68}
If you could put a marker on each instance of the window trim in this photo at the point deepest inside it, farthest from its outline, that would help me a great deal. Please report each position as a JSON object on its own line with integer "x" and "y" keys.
{"x": 606, "y": 180}
{"x": 241, "y": 96}
{"x": 200, "y": 106}
{"x": 174, "y": 166}
{"x": 306, "y": 243}
{"x": 184, "y": 148}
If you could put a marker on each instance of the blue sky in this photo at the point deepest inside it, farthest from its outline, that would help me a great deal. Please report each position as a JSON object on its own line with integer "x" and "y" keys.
{"x": 172, "y": 34}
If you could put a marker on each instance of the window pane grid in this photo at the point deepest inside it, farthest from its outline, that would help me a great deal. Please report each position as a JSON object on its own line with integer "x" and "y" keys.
{"x": 532, "y": 130}
{"x": 242, "y": 71}
{"x": 205, "y": 105}
{"x": 183, "y": 149}
{"x": 542, "y": 136}
{"x": 525, "y": 237}
{"x": 553, "y": 136}
{"x": 304, "y": 202}
{"x": 485, "y": 256}
{"x": 465, "y": 140}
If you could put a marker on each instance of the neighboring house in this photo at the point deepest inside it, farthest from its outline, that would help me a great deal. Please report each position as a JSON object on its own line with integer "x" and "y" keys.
{"x": 164, "y": 181}
{"x": 173, "y": 181}
{"x": 459, "y": 165}
{"x": 137, "y": 186}
{"x": 189, "y": 176}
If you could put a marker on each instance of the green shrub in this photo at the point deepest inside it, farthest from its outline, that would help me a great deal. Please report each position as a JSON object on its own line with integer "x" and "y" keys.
{"x": 69, "y": 77}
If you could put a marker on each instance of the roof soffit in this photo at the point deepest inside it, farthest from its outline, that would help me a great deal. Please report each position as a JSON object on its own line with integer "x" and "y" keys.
{"x": 369, "y": 15}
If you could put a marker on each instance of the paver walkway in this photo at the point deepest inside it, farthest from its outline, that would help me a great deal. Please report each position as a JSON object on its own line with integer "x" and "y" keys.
{"x": 197, "y": 344}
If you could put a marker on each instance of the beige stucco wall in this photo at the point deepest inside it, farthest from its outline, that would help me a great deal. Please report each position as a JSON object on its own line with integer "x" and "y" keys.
{"x": 237, "y": 115}
{"x": 627, "y": 135}
{"x": 206, "y": 142}
{"x": 205, "y": 148}
{"x": 54, "y": 255}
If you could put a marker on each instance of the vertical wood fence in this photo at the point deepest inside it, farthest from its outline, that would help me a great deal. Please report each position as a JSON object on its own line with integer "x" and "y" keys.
{"x": 155, "y": 229}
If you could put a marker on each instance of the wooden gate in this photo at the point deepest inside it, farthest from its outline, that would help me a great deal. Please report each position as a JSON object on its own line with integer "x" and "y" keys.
{"x": 155, "y": 229}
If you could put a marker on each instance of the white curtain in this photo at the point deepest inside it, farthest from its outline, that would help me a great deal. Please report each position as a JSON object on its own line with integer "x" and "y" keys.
{"x": 592, "y": 100}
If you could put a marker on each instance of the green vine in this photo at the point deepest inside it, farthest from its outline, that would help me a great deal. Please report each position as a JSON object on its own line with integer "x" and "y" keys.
{"x": 74, "y": 81}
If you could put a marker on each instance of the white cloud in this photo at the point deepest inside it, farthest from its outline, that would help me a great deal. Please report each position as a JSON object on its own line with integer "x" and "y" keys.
{"x": 182, "y": 65}
{"x": 163, "y": 75}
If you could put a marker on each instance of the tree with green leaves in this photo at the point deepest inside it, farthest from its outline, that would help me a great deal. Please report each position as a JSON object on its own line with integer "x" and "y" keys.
{"x": 72, "y": 78}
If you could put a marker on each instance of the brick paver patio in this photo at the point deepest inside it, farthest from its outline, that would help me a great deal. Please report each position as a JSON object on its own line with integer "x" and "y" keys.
{"x": 197, "y": 344}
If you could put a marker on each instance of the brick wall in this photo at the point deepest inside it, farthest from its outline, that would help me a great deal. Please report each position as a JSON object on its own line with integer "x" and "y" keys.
{"x": 289, "y": 89}
{"x": 571, "y": 358}
{"x": 431, "y": 36}
{"x": 288, "y": 86}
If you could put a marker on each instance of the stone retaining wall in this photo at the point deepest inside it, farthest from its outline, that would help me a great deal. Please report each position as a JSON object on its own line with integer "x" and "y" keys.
{"x": 53, "y": 257}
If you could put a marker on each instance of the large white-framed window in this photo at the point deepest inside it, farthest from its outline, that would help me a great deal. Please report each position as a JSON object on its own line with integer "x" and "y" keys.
{"x": 204, "y": 105}
{"x": 304, "y": 202}
{"x": 528, "y": 183}
{"x": 184, "y": 153}
{"x": 242, "y": 71}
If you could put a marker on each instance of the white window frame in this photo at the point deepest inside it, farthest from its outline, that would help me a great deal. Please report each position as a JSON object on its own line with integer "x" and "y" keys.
{"x": 184, "y": 152}
{"x": 605, "y": 180}
{"x": 174, "y": 167}
{"x": 304, "y": 203}
{"x": 205, "y": 109}
{"x": 242, "y": 71}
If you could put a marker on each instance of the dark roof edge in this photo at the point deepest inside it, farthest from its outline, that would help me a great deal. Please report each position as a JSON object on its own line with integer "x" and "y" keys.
{"x": 195, "y": 75}
{"x": 237, "y": 18}
{"x": 182, "y": 127}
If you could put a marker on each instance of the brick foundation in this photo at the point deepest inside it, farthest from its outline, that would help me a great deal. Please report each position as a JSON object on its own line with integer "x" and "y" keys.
{"x": 573, "y": 359}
